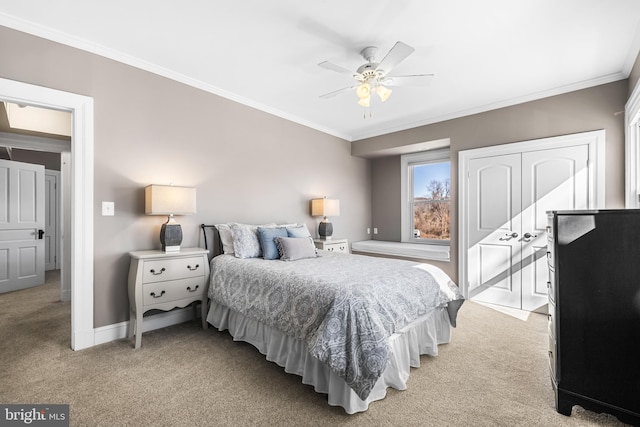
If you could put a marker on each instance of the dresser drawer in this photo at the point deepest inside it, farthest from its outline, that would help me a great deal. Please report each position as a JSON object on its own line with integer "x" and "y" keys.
{"x": 551, "y": 256}
{"x": 172, "y": 269}
{"x": 553, "y": 359}
{"x": 551, "y": 284}
{"x": 173, "y": 290}
{"x": 552, "y": 319}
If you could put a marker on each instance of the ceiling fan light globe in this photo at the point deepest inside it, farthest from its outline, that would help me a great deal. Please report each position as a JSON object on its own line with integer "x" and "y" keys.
{"x": 363, "y": 91}
{"x": 365, "y": 102}
{"x": 383, "y": 92}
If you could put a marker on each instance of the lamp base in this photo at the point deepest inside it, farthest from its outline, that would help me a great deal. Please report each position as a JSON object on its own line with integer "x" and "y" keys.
{"x": 325, "y": 230}
{"x": 171, "y": 236}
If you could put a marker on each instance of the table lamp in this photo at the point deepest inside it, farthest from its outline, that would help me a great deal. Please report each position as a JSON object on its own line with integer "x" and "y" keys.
{"x": 325, "y": 207}
{"x": 170, "y": 200}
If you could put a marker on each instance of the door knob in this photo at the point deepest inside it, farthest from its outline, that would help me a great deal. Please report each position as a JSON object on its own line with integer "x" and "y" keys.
{"x": 40, "y": 234}
{"x": 529, "y": 235}
{"x": 509, "y": 236}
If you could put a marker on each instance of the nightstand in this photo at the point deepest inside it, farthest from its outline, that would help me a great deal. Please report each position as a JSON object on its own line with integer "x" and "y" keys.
{"x": 333, "y": 245}
{"x": 162, "y": 281}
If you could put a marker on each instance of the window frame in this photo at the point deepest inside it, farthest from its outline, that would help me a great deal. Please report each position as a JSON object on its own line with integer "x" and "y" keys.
{"x": 407, "y": 161}
{"x": 632, "y": 150}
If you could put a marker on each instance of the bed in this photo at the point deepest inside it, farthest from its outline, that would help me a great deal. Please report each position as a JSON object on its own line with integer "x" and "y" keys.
{"x": 350, "y": 325}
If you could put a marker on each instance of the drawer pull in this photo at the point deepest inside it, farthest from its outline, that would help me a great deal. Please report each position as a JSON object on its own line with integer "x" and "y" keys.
{"x": 194, "y": 289}
{"x": 193, "y": 269}
{"x": 153, "y": 294}
{"x": 159, "y": 273}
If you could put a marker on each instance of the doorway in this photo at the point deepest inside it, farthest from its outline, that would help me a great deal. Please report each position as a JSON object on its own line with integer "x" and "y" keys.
{"x": 79, "y": 243}
{"x": 505, "y": 194}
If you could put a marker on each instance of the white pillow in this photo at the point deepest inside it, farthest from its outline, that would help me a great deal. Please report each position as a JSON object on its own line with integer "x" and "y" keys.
{"x": 226, "y": 238}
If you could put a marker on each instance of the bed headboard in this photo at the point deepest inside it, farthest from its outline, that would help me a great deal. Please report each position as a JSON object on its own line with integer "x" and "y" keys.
{"x": 212, "y": 241}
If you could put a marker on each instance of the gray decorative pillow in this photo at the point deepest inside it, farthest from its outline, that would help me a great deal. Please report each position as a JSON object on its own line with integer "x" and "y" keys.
{"x": 245, "y": 240}
{"x": 295, "y": 248}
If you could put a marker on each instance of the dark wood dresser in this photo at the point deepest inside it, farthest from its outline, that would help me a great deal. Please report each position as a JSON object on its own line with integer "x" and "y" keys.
{"x": 594, "y": 311}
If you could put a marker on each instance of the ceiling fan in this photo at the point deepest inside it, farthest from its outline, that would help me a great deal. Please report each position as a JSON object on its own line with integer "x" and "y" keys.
{"x": 373, "y": 77}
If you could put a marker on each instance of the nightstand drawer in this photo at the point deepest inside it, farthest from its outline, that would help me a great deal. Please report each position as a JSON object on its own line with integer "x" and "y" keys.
{"x": 337, "y": 247}
{"x": 171, "y": 269}
{"x": 173, "y": 290}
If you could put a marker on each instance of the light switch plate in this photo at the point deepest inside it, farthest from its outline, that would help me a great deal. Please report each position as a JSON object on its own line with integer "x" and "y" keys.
{"x": 108, "y": 208}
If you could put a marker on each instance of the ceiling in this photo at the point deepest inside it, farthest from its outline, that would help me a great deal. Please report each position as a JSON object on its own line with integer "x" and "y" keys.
{"x": 484, "y": 54}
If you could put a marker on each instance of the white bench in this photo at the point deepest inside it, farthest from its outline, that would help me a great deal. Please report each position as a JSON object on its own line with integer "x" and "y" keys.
{"x": 406, "y": 250}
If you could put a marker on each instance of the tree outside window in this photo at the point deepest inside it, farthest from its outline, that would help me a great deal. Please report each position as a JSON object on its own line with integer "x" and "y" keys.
{"x": 431, "y": 201}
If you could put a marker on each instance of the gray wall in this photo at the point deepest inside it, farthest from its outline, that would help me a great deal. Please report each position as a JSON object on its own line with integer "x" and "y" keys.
{"x": 247, "y": 166}
{"x": 579, "y": 111}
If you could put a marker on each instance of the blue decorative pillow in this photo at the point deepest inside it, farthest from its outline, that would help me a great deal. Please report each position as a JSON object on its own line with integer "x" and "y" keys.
{"x": 298, "y": 231}
{"x": 266, "y": 237}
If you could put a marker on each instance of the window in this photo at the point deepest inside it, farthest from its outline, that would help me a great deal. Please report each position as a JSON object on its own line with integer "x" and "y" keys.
{"x": 426, "y": 197}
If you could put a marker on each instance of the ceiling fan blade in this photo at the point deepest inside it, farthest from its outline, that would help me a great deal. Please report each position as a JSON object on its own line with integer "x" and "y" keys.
{"x": 333, "y": 67}
{"x": 410, "y": 80}
{"x": 396, "y": 55}
{"x": 337, "y": 92}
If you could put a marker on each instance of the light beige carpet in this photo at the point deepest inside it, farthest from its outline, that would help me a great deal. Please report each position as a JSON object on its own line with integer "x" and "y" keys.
{"x": 493, "y": 373}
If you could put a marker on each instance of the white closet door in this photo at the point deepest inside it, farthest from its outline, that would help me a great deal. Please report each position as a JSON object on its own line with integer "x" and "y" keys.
{"x": 21, "y": 220}
{"x": 494, "y": 229}
{"x": 508, "y": 189}
{"x": 554, "y": 179}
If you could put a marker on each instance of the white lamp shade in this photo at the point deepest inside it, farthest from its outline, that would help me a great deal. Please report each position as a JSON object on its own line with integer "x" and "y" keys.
{"x": 325, "y": 207}
{"x": 169, "y": 200}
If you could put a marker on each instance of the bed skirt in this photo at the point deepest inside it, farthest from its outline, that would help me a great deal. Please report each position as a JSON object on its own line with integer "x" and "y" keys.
{"x": 420, "y": 337}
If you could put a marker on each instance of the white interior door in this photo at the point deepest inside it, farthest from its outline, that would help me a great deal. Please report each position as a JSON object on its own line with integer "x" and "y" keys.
{"x": 494, "y": 230}
{"x": 554, "y": 179}
{"x": 51, "y": 220}
{"x": 509, "y": 196}
{"x": 21, "y": 225}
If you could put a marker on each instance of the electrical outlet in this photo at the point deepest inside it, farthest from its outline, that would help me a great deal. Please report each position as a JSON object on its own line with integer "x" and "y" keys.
{"x": 108, "y": 208}
{"x": 375, "y": 230}
{"x": 368, "y": 230}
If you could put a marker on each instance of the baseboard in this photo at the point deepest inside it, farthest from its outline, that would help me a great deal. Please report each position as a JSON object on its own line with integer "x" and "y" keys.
{"x": 105, "y": 334}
